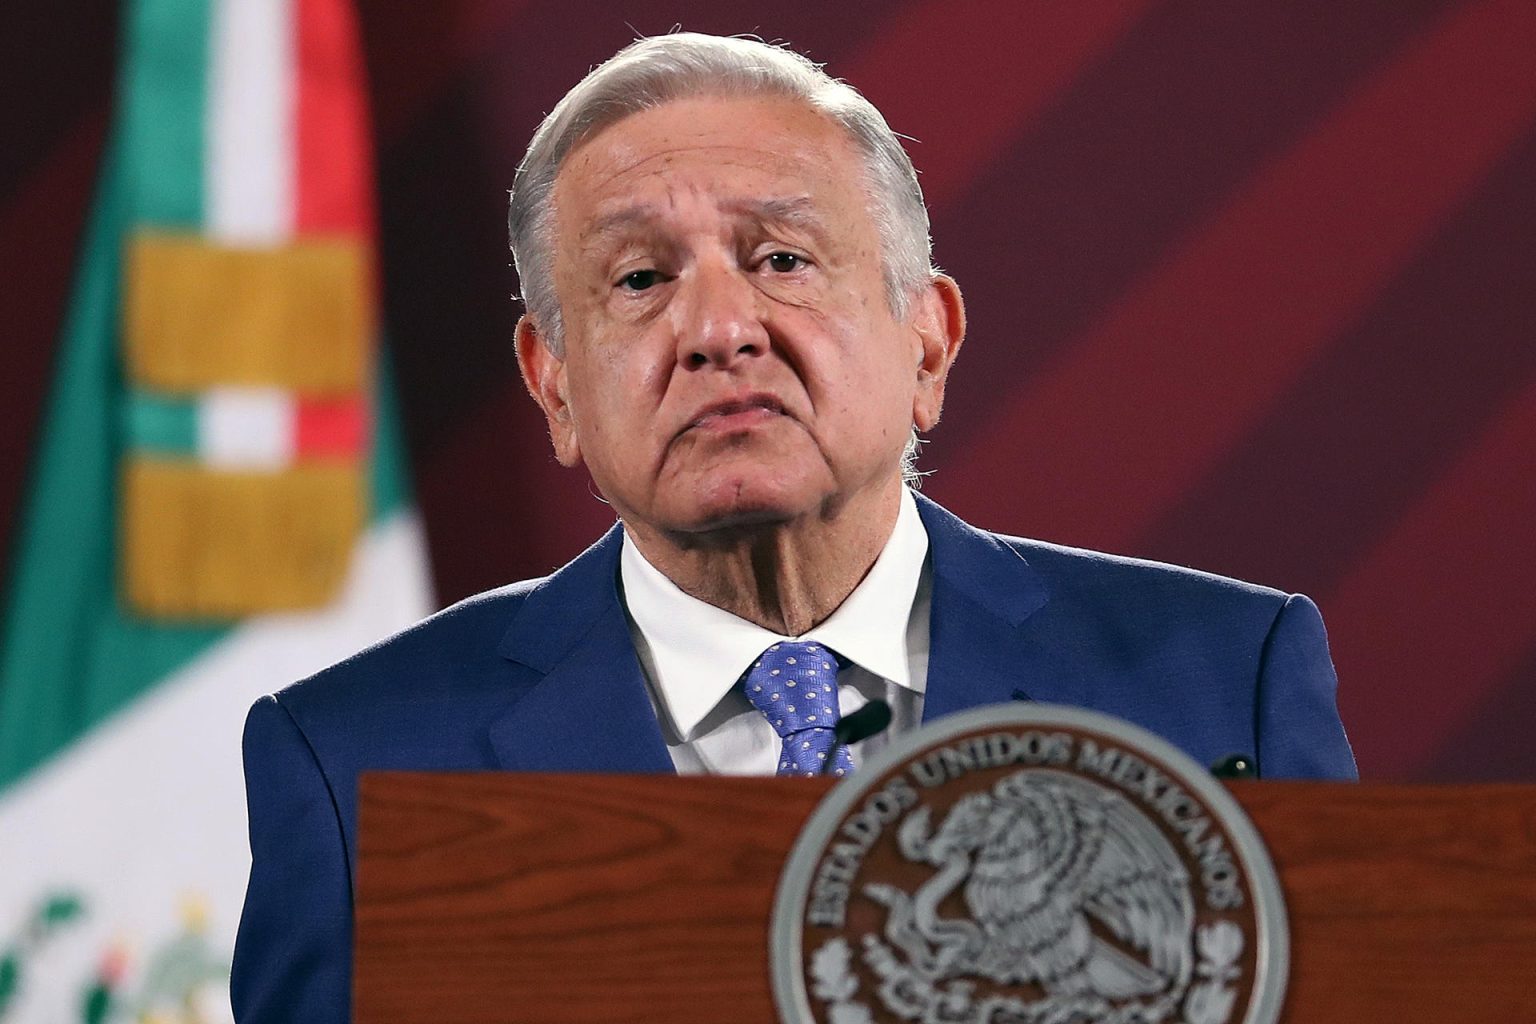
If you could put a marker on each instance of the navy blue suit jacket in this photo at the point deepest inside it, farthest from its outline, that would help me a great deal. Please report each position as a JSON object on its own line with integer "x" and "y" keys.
{"x": 542, "y": 676}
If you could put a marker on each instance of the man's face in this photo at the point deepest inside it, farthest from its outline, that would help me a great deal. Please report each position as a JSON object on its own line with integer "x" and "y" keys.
{"x": 730, "y": 355}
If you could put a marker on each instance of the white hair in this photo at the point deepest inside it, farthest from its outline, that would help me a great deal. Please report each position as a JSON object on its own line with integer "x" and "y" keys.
{"x": 651, "y": 72}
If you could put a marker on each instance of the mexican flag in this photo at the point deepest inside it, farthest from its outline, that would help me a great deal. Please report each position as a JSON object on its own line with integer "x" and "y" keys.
{"x": 217, "y": 506}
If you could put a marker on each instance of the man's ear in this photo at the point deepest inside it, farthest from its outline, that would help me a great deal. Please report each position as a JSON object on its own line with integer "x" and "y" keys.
{"x": 939, "y": 320}
{"x": 544, "y": 374}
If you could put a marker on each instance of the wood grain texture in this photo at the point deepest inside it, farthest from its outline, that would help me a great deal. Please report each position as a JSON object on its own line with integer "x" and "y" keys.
{"x": 585, "y": 898}
{"x": 1407, "y": 903}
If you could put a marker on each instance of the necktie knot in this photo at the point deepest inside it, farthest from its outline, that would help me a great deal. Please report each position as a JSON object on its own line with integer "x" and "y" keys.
{"x": 794, "y": 685}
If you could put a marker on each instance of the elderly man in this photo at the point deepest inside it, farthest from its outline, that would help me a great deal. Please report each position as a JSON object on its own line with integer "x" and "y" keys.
{"x": 734, "y": 326}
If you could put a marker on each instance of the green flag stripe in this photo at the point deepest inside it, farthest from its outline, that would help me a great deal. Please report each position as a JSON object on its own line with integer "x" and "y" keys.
{"x": 389, "y": 482}
{"x": 164, "y": 97}
{"x": 160, "y": 424}
{"x": 68, "y": 656}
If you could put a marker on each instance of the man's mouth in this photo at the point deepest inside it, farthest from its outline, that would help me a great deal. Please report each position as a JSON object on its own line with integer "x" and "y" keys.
{"x": 738, "y": 412}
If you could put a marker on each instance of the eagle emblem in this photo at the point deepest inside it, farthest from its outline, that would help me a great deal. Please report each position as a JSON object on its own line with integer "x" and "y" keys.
{"x": 1030, "y": 865}
{"x": 1066, "y": 886}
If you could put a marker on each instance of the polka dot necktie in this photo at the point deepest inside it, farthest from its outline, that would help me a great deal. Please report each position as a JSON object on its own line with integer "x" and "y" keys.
{"x": 795, "y": 686}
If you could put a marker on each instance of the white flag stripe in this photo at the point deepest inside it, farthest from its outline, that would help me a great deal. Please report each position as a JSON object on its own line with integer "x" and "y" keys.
{"x": 149, "y": 809}
{"x": 250, "y": 169}
{"x": 246, "y": 428}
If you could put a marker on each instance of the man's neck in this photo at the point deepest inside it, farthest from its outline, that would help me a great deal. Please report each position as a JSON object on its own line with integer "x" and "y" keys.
{"x": 785, "y": 576}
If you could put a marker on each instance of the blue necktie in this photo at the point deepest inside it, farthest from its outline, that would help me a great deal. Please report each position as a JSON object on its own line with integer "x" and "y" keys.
{"x": 795, "y": 686}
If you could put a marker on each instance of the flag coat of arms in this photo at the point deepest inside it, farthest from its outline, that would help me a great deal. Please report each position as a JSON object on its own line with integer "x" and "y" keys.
{"x": 218, "y": 505}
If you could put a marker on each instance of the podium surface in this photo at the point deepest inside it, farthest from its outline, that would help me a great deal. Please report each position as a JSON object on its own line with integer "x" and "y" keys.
{"x": 559, "y": 899}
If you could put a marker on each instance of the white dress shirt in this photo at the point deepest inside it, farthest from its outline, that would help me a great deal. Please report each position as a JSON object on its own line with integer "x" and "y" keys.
{"x": 693, "y": 655}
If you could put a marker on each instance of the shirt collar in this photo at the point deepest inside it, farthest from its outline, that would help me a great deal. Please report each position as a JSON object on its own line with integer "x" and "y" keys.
{"x": 698, "y": 651}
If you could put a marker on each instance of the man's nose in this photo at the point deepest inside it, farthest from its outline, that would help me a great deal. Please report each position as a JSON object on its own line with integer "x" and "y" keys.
{"x": 721, "y": 319}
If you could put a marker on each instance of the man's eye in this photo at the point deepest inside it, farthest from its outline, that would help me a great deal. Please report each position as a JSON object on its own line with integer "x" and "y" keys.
{"x": 640, "y": 280}
{"x": 784, "y": 262}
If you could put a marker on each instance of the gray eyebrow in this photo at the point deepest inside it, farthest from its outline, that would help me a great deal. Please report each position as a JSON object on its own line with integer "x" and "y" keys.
{"x": 619, "y": 219}
{"x": 797, "y": 212}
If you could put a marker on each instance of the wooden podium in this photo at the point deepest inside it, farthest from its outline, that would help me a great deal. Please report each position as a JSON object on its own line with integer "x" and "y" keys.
{"x": 605, "y": 899}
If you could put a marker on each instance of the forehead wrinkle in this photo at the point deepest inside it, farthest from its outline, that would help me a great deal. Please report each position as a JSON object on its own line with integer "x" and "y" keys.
{"x": 796, "y": 212}
{"x": 625, "y": 162}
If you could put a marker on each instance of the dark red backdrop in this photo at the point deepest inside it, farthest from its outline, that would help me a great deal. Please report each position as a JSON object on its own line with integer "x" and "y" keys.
{"x": 1252, "y": 288}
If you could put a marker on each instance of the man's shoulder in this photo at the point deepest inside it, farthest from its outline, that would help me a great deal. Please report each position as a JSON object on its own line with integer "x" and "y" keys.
{"x": 470, "y": 648}
{"x": 1065, "y": 571}
{"x": 1091, "y": 599}
{"x": 1211, "y": 662}
{"x": 1083, "y": 568}
{"x": 449, "y": 648}
{"x": 1080, "y": 583}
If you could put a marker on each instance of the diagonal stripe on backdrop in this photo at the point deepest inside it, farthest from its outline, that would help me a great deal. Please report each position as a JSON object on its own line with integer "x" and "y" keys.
{"x": 1380, "y": 416}
{"x": 1494, "y": 744}
{"x": 1117, "y": 429}
{"x": 40, "y": 222}
{"x": 431, "y": 47}
{"x": 1143, "y": 149}
{"x": 976, "y": 43}
{"x": 1458, "y": 565}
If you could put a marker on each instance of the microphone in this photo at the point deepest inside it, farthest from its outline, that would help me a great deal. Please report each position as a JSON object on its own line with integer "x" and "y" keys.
{"x": 870, "y": 720}
{"x": 1234, "y": 766}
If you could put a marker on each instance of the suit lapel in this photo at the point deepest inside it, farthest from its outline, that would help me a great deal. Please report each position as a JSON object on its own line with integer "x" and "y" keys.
{"x": 590, "y": 711}
{"x": 983, "y": 648}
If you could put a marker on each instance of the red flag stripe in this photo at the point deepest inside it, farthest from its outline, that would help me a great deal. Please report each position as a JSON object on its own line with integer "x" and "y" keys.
{"x": 335, "y": 428}
{"x": 333, "y": 188}
{"x": 1433, "y": 621}
{"x": 968, "y": 59}
{"x": 1117, "y": 430}
{"x": 334, "y": 179}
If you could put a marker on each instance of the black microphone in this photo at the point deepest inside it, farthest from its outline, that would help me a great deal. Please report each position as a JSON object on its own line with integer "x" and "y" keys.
{"x": 870, "y": 720}
{"x": 1235, "y": 766}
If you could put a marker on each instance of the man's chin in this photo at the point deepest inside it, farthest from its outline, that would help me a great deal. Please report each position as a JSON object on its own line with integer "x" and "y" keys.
{"x": 736, "y": 518}
{"x": 731, "y": 508}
